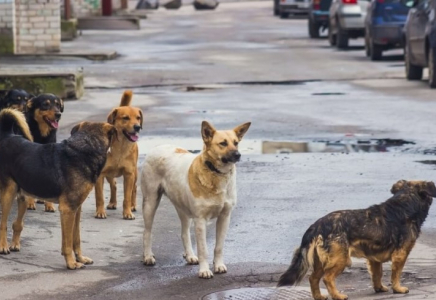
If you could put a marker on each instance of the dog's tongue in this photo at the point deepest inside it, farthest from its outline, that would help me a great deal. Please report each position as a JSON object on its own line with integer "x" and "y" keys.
{"x": 54, "y": 124}
{"x": 134, "y": 137}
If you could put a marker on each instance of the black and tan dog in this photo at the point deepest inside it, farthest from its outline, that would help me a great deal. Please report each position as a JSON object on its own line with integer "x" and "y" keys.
{"x": 16, "y": 99}
{"x": 63, "y": 173}
{"x": 122, "y": 159}
{"x": 43, "y": 114}
{"x": 380, "y": 233}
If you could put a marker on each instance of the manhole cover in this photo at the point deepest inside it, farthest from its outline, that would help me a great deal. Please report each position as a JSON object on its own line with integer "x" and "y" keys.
{"x": 296, "y": 293}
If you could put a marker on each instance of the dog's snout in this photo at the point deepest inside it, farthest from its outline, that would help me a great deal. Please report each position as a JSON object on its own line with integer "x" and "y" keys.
{"x": 137, "y": 128}
{"x": 58, "y": 115}
{"x": 236, "y": 155}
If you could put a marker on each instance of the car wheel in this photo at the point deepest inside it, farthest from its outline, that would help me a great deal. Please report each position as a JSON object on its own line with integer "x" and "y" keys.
{"x": 413, "y": 72}
{"x": 376, "y": 51}
{"x": 284, "y": 15}
{"x": 432, "y": 68}
{"x": 342, "y": 38}
{"x": 313, "y": 29}
{"x": 332, "y": 37}
{"x": 276, "y": 8}
{"x": 367, "y": 50}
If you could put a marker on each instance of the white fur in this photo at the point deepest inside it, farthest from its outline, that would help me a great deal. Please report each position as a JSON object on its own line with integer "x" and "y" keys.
{"x": 167, "y": 171}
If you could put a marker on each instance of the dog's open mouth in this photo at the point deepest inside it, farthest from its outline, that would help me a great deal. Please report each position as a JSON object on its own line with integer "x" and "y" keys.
{"x": 133, "y": 137}
{"x": 52, "y": 123}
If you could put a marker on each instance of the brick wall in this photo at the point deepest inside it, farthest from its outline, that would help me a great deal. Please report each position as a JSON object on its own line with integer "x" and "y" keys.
{"x": 6, "y": 26}
{"x": 37, "y": 26}
{"x": 85, "y": 8}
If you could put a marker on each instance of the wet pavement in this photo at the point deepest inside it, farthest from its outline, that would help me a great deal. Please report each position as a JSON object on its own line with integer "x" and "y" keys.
{"x": 330, "y": 130}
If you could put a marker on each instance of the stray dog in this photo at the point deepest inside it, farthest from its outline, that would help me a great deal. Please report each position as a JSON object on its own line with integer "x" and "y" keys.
{"x": 16, "y": 99}
{"x": 380, "y": 233}
{"x": 63, "y": 173}
{"x": 201, "y": 187}
{"x": 43, "y": 114}
{"x": 122, "y": 160}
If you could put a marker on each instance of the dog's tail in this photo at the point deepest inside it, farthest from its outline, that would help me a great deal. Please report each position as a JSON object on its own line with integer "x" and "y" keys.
{"x": 303, "y": 259}
{"x": 14, "y": 122}
{"x": 127, "y": 98}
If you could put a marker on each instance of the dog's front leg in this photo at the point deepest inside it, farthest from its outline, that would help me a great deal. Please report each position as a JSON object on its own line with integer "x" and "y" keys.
{"x": 76, "y": 240}
{"x": 18, "y": 225}
{"x": 129, "y": 183}
{"x": 99, "y": 200}
{"x": 200, "y": 235}
{"x": 68, "y": 216}
{"x": 222, "y": 225}
{"x": 398, "y": 258}
{"x": 7, "y": 196}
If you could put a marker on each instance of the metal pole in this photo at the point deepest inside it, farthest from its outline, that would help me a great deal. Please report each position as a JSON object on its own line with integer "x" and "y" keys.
{"x": 67, "y": 10}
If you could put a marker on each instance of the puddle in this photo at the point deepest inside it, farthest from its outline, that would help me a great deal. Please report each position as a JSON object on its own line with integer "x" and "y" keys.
{"x": 328, "y": 94}
{"x": 252, "y": 146}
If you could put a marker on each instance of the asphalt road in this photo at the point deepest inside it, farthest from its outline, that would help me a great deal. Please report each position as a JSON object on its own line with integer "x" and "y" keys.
{"x": 242, "y": 64}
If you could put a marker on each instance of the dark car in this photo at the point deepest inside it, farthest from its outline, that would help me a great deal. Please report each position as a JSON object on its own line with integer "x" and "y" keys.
{"x": 420, "y": 40}
{"x": 318, "y": 16}
{"x": 384, "y": 24}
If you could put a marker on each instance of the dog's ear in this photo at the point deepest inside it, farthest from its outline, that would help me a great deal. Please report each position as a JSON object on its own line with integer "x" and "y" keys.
{"x": 207, "y": 131}
{"x": 112, "y": 116}
{"x": 398, "y": 186}
{"x": 110, "y": 130}
{"x": 429, "y": 188}
{"x": 142, "y": 117}
{"x": 61, "y": 102}
{"x": 29, "y": 104}
{"x": 241, "y": 130}
{"x": 76, "y": 128}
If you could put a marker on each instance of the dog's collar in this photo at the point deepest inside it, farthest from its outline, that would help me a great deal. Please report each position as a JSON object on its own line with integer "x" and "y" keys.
{"x": 212, "y": 167}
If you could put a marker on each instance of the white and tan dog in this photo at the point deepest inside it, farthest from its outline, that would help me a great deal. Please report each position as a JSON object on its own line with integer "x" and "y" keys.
{"x": 201, "y": 187}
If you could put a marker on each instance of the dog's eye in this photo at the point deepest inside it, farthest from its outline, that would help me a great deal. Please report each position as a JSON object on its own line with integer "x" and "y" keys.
{"x": 236, "y": 143}
{"x": 126, "y": 118}
{"x": 138, "y": 118}
{"x": 224, "y": 144}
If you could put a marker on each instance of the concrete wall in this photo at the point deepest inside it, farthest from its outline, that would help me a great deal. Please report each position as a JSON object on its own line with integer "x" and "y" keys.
{"x": 7, "y": 26}
{"x": 37, "y": 26}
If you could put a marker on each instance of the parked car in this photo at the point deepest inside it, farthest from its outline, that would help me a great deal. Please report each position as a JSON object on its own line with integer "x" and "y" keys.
{"x": 276, "y": 8}
{"x": 287, "y": 7}
{"x": 346, "y": 20}
{"x": 420, "y": 40}
{"x": 384, "y": 24}
{"x": 318, "y": 16}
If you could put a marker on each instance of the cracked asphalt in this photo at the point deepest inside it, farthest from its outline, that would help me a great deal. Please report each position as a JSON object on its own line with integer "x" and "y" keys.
{"x": 229, "y": 66}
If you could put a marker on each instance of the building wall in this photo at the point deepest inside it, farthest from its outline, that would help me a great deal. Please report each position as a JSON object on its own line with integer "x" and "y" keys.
{"x": 6, "y": 26}
{"x": 86, "y": 8}
{"x": 37, "y": 26}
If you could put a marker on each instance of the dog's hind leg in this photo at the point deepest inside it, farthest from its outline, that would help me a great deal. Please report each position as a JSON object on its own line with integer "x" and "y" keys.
{"x": 100, "y": 213}
{"x": 18, "y": 225}
{"x": 375, "y": 269}
{"x": 135, "y": 188}
{"x": 31, "y": 203}
{"x": 151, "y": 199}
{"x": 200, "y": 236}
{"x": 8, "y": 192}
{"x": 189, "y": 254}
{"x": 222, "y": 225}
{"x": 113, "y": 200}
{"x": 76, "y": 240}
{"x": 314, "y": 279}
{"x": 338, "y": 259}
{"x": 399, "y": 258}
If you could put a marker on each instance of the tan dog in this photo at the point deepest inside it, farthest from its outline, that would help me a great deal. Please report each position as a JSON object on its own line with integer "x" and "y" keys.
{"x": 201, "y": 187}
{"x": 122, "y": 159}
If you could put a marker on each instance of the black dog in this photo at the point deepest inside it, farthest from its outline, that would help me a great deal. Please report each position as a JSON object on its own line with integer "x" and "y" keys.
{"x": 380, "y": 233}
{"x": 43, "y": 114}
{"x": 64, "y": 173}
{"x": 16, "y": 99}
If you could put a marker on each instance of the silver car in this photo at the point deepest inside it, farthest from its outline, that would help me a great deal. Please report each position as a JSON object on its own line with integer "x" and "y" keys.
{"x": 347, "y": 20}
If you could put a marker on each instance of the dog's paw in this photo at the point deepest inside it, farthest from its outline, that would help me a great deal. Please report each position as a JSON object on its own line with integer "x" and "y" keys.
{"x": 111, "y": 206}
{"x": 220, "y": 268}
{"x": 321, "y": 297}
{"x": 400, "y": 290}
{"x": 191, "y": 259}
{"x": 340, "y": 297}
{"x": 84, "y": 260}
{"x": 31, "y": 206}
{"x": 4, "y": 249}
{"x": 205, "y": 274}
{"x": 40, "y": 201}
{"x": 133, "y": 208}
{"x": 49, "y": 207}
{"x": 15, "y": 247}
{"x": 149, "y": 260}
{"x": 127, "y": 215}
{"x": 75, "y": 266}
{"x": 381, "y": 289}
{"x": 100, "y": 215}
